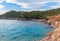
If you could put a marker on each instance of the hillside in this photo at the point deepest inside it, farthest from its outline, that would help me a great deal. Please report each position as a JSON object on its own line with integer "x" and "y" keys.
{"x": 30, "y": 15}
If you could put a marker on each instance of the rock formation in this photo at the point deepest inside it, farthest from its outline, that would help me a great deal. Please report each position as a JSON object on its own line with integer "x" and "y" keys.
{"x": 54, "y": 35}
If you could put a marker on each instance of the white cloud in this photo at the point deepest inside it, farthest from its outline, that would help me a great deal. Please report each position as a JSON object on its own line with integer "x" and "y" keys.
{"x": 23, "y": 5}
{"x": 2, "y": 12}
{"x": 29, "y": 4}
{"x": 10, "y": 1}
{"x": 1, "y": 1}
{"x": 41, "y": 3}
{"x": 54, "y": 7}
{"x": 1, "y": 7}
{"x": 33, "y": 4}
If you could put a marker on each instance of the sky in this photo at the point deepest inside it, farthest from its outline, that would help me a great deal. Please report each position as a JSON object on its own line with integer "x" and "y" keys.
{"x": 28, "y": 5}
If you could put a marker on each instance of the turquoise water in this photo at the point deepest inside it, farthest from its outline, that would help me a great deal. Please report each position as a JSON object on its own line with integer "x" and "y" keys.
{"x": 16, "y": 30}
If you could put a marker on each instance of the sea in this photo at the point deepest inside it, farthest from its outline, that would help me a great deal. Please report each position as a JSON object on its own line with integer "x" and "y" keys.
{"x": 17, "y": 30}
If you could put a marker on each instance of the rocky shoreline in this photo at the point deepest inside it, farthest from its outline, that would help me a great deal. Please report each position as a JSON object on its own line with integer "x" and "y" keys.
{"x": 55, "y": 34}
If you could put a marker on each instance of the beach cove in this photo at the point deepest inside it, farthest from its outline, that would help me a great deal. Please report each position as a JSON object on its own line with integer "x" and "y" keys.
{"x": 16, "y": 30}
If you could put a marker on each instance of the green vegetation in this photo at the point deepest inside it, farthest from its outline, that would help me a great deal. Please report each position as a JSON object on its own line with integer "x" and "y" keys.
{"x": 30, "y": 15}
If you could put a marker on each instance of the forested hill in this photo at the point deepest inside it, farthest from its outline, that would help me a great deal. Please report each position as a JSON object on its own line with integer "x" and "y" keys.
{"x": 31, "y": 14}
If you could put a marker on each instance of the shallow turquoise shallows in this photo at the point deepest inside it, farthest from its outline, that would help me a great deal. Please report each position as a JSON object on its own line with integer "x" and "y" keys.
{"x": 16, "y": 30}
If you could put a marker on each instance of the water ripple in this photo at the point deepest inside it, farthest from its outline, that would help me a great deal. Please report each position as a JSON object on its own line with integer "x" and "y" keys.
{"x": 15, "y": 30}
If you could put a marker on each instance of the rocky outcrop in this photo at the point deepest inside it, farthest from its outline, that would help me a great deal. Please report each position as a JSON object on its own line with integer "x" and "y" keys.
{"x": 54, "y": 35}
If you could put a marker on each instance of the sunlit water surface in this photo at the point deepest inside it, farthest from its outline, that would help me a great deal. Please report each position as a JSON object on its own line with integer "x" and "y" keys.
{"x": 16, "y": 30}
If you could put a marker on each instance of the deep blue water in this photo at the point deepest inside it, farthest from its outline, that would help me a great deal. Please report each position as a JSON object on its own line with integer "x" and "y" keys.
{"x": 16, "y": 30}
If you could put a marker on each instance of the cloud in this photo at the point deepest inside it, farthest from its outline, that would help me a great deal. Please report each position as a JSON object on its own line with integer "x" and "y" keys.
{"x": 35, "y": 4}
{"x": 1, "y": 7}
{"x": 2, "y": 1}
{"x": 56, "y": 6}
{"x": 22, "y": 4}
{"x": 31, "y": 4}
{"x": 2, "y": 12}
{"x": 10, "y": 1}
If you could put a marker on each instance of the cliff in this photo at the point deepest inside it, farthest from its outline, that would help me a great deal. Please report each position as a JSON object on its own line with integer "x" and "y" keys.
{"x": 54, "y": 35}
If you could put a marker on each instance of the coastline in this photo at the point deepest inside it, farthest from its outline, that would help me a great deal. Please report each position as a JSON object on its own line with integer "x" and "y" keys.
{"x": 54, "y": 35}
{"x": 39, "y": 20}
